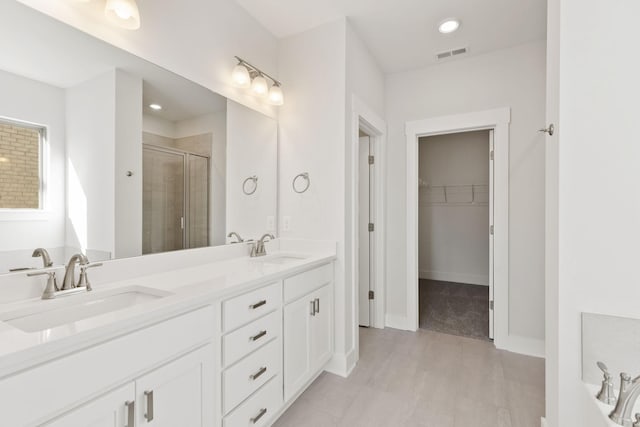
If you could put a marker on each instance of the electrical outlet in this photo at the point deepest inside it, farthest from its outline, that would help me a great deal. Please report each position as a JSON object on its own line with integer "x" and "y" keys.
{"x": 271, "y": 223}
{"x": 286, "y": 223}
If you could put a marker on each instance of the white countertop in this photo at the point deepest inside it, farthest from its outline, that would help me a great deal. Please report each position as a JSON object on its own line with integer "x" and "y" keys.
{"x": 186, "y": 288}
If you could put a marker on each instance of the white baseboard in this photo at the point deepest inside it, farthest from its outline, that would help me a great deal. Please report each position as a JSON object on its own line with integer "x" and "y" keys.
{"x": 523, "y": 345}
{"x": 396, "y": 322}
{"x": 342, "y": 364}
{"x": 471, "y": 279}
{"x": 543, "y": 422}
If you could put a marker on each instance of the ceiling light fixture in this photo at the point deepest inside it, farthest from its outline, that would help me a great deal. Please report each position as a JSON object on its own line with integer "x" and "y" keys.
{"x": 449, "y": 25}
{"x": 123, "y": 13}
{"x": 156, "y": 107}
{"x": 245, "y": 76}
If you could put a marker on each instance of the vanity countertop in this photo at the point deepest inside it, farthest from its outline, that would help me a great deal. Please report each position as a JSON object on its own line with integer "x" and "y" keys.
{"x": 185, "y": 289}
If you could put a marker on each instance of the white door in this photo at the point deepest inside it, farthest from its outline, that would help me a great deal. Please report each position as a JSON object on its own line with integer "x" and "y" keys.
{"x": 297, "y": 329}
{"x": 490, "y": 308}
{"x": 321, "y": 328}
{"x": 114, "y": 409}
{"x": 365, "y": 236}
{"x": 179, "y": 393}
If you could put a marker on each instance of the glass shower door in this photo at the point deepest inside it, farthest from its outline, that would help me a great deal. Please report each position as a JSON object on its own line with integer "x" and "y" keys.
{"x": 198, "y": 211}
{"x": 163, "y": 206}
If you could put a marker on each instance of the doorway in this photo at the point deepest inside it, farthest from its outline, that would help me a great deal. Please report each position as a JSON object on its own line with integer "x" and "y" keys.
{"x": 366, "y": 229}
{"x": 455, "y": 193}
{"x": 175, "y": 208}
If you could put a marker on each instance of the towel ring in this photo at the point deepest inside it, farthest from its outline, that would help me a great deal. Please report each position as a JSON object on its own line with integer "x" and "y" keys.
{"x": 305, "y": 176}
{"x": 253, "y": 179}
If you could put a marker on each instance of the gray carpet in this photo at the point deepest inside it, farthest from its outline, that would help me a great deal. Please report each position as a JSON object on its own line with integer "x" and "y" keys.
{"x": 454, "y": 308}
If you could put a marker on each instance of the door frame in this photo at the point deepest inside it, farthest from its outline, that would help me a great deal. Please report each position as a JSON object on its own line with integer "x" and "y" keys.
{"x": 363, "y": 117}
{"x": 497, "y": 120}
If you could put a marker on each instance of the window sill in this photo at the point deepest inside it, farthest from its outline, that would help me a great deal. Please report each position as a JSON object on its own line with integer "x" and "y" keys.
{"x": 24, "y": 215}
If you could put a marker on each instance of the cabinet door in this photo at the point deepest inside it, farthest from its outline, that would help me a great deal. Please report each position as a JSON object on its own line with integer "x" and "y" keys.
{"x": 297, "y": 316}
{"x": 321, "y": 336}
{"x": 179, "y": 393}
{"x": 114, "y": 409}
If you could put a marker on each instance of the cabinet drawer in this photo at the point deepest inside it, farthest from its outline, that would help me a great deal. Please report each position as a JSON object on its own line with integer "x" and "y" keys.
{"x": 243, "y": 341}
{"x": 251, "y": 373}
{"x": 260, "y": 408}
{"x": 245, "y": 308}
{"x": 303, "y": 283}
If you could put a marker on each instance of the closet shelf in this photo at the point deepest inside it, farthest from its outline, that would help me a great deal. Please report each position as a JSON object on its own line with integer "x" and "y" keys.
{"x": 454, "y": 195}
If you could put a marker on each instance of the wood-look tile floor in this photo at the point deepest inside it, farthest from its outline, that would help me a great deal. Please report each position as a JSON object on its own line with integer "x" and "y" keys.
{"x": 426, "y": 379}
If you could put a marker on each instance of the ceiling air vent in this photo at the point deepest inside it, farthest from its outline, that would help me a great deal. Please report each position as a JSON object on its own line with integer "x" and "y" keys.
{"x": 450, "y": 53}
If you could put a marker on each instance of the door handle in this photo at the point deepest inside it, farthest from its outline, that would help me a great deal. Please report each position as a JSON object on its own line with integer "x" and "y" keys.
{"x": 259, "y": 335}
{"x": 149, "y": 414}
{"x": 550, "y": 130}
{"x": 316, "y": 305}
{"x": 131, "y": 413}
{"x": 258, "y": 374}
{"x": 313, "y": 308}
{"x": 260, "y": 415}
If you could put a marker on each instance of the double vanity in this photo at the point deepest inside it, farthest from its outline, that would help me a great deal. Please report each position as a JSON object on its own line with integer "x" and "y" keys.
{"x": 227, "y": 343}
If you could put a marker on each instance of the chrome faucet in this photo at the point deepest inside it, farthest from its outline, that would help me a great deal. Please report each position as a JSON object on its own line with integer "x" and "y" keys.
{"x": 629, "y": 392}
{"x": 46, "y": 259}
{"x": 258, "y": 248}
{"x": 70, "y": 271}
{"x": 237, "y": 236}
{"x": 606, "y": 394}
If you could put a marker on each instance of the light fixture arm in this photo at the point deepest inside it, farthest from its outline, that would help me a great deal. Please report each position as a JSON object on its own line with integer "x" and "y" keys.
{"x": 253, "y": 68}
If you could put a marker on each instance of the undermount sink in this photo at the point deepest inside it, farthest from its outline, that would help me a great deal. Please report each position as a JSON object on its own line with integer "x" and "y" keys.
{"x": 280, "y": 259}
{"x": 49, "y": 314}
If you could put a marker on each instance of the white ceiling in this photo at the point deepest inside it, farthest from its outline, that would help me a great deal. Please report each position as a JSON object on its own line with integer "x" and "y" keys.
{"x": 54, "y": 53}
{"x": 402, "y": 34}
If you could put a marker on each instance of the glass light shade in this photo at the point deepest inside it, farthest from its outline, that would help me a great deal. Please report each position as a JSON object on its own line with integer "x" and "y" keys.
{"x": 123, "y": 13}
{"x": 276, "y": 97}
{"x": 449, "y": 26}
{"x": 259, "y": 86}
{"x": 240, "y": 76}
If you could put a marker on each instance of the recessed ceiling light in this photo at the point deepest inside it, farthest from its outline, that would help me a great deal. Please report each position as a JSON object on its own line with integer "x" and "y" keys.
{"x": 156, "y": 107}
{"x": 449, "y": 26}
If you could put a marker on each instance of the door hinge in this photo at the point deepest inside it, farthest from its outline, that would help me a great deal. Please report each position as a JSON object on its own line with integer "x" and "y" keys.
{"x": 371, "y": 227}
{"x": 371, "y": 160}
{"x": 491, "y": 155}
{"x": 490, "y": 305}
{"x": 491, "y": 230}
{"x": 372, "y": 295}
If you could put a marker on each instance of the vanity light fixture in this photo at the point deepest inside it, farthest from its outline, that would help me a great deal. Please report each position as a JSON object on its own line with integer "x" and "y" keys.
{"x": 245, "y": 76}
{"x": 449, "y": 25}
{"x": 123, "y": 13}
{"x": 156, "y": 107}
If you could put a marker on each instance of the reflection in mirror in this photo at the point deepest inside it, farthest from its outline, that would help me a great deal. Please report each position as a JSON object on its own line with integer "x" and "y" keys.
{"x": 104, "y": 153}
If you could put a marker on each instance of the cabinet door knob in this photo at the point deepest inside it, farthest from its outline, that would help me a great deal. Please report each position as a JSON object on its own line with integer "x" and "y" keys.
{"x": 260, "y": 415}
{"x": 149, "y": 414}
{"x": 258, "y": 304}
{"x": 258, "y": 374}
{"x": 131, "y": 413}
{"x": 257, "y": 336}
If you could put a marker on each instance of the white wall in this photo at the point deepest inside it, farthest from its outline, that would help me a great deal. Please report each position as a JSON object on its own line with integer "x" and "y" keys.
{"x": 28, "y": 100}
{"x": 252, "y": 150}
{"x": 508, "y": 78}
{"x": 210, "y": 33}
{"x": 128, "y": 157}
{"x": 454, "y": 235}
{"x": 596, "y": 153}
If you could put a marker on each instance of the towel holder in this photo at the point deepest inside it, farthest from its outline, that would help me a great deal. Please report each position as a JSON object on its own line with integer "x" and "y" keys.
{"x": 305, "y": 176}
{"x": 253, "y": 189}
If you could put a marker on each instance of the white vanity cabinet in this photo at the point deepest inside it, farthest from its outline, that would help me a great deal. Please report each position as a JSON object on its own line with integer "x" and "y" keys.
{"x": 308, "y": 327}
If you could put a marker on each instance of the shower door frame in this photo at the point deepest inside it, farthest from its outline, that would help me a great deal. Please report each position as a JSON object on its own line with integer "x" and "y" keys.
{"x": 187, "y": 200}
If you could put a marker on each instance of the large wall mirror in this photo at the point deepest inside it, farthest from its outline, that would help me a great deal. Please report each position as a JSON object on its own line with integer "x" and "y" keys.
{"x": 105, "y": 153}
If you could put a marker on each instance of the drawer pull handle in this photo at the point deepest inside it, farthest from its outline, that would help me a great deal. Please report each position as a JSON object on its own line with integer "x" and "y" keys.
{"x": 131, "y": 413}
{"x": 313, "y": 308}
{"x": 149, "y": 414}
{"x": 316, "y": 305}
{"x": 259, "y": 335}
{"x": 258, "y": 374}
{"x": 258, "y": 304}
{"x": 260, "y": 415}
